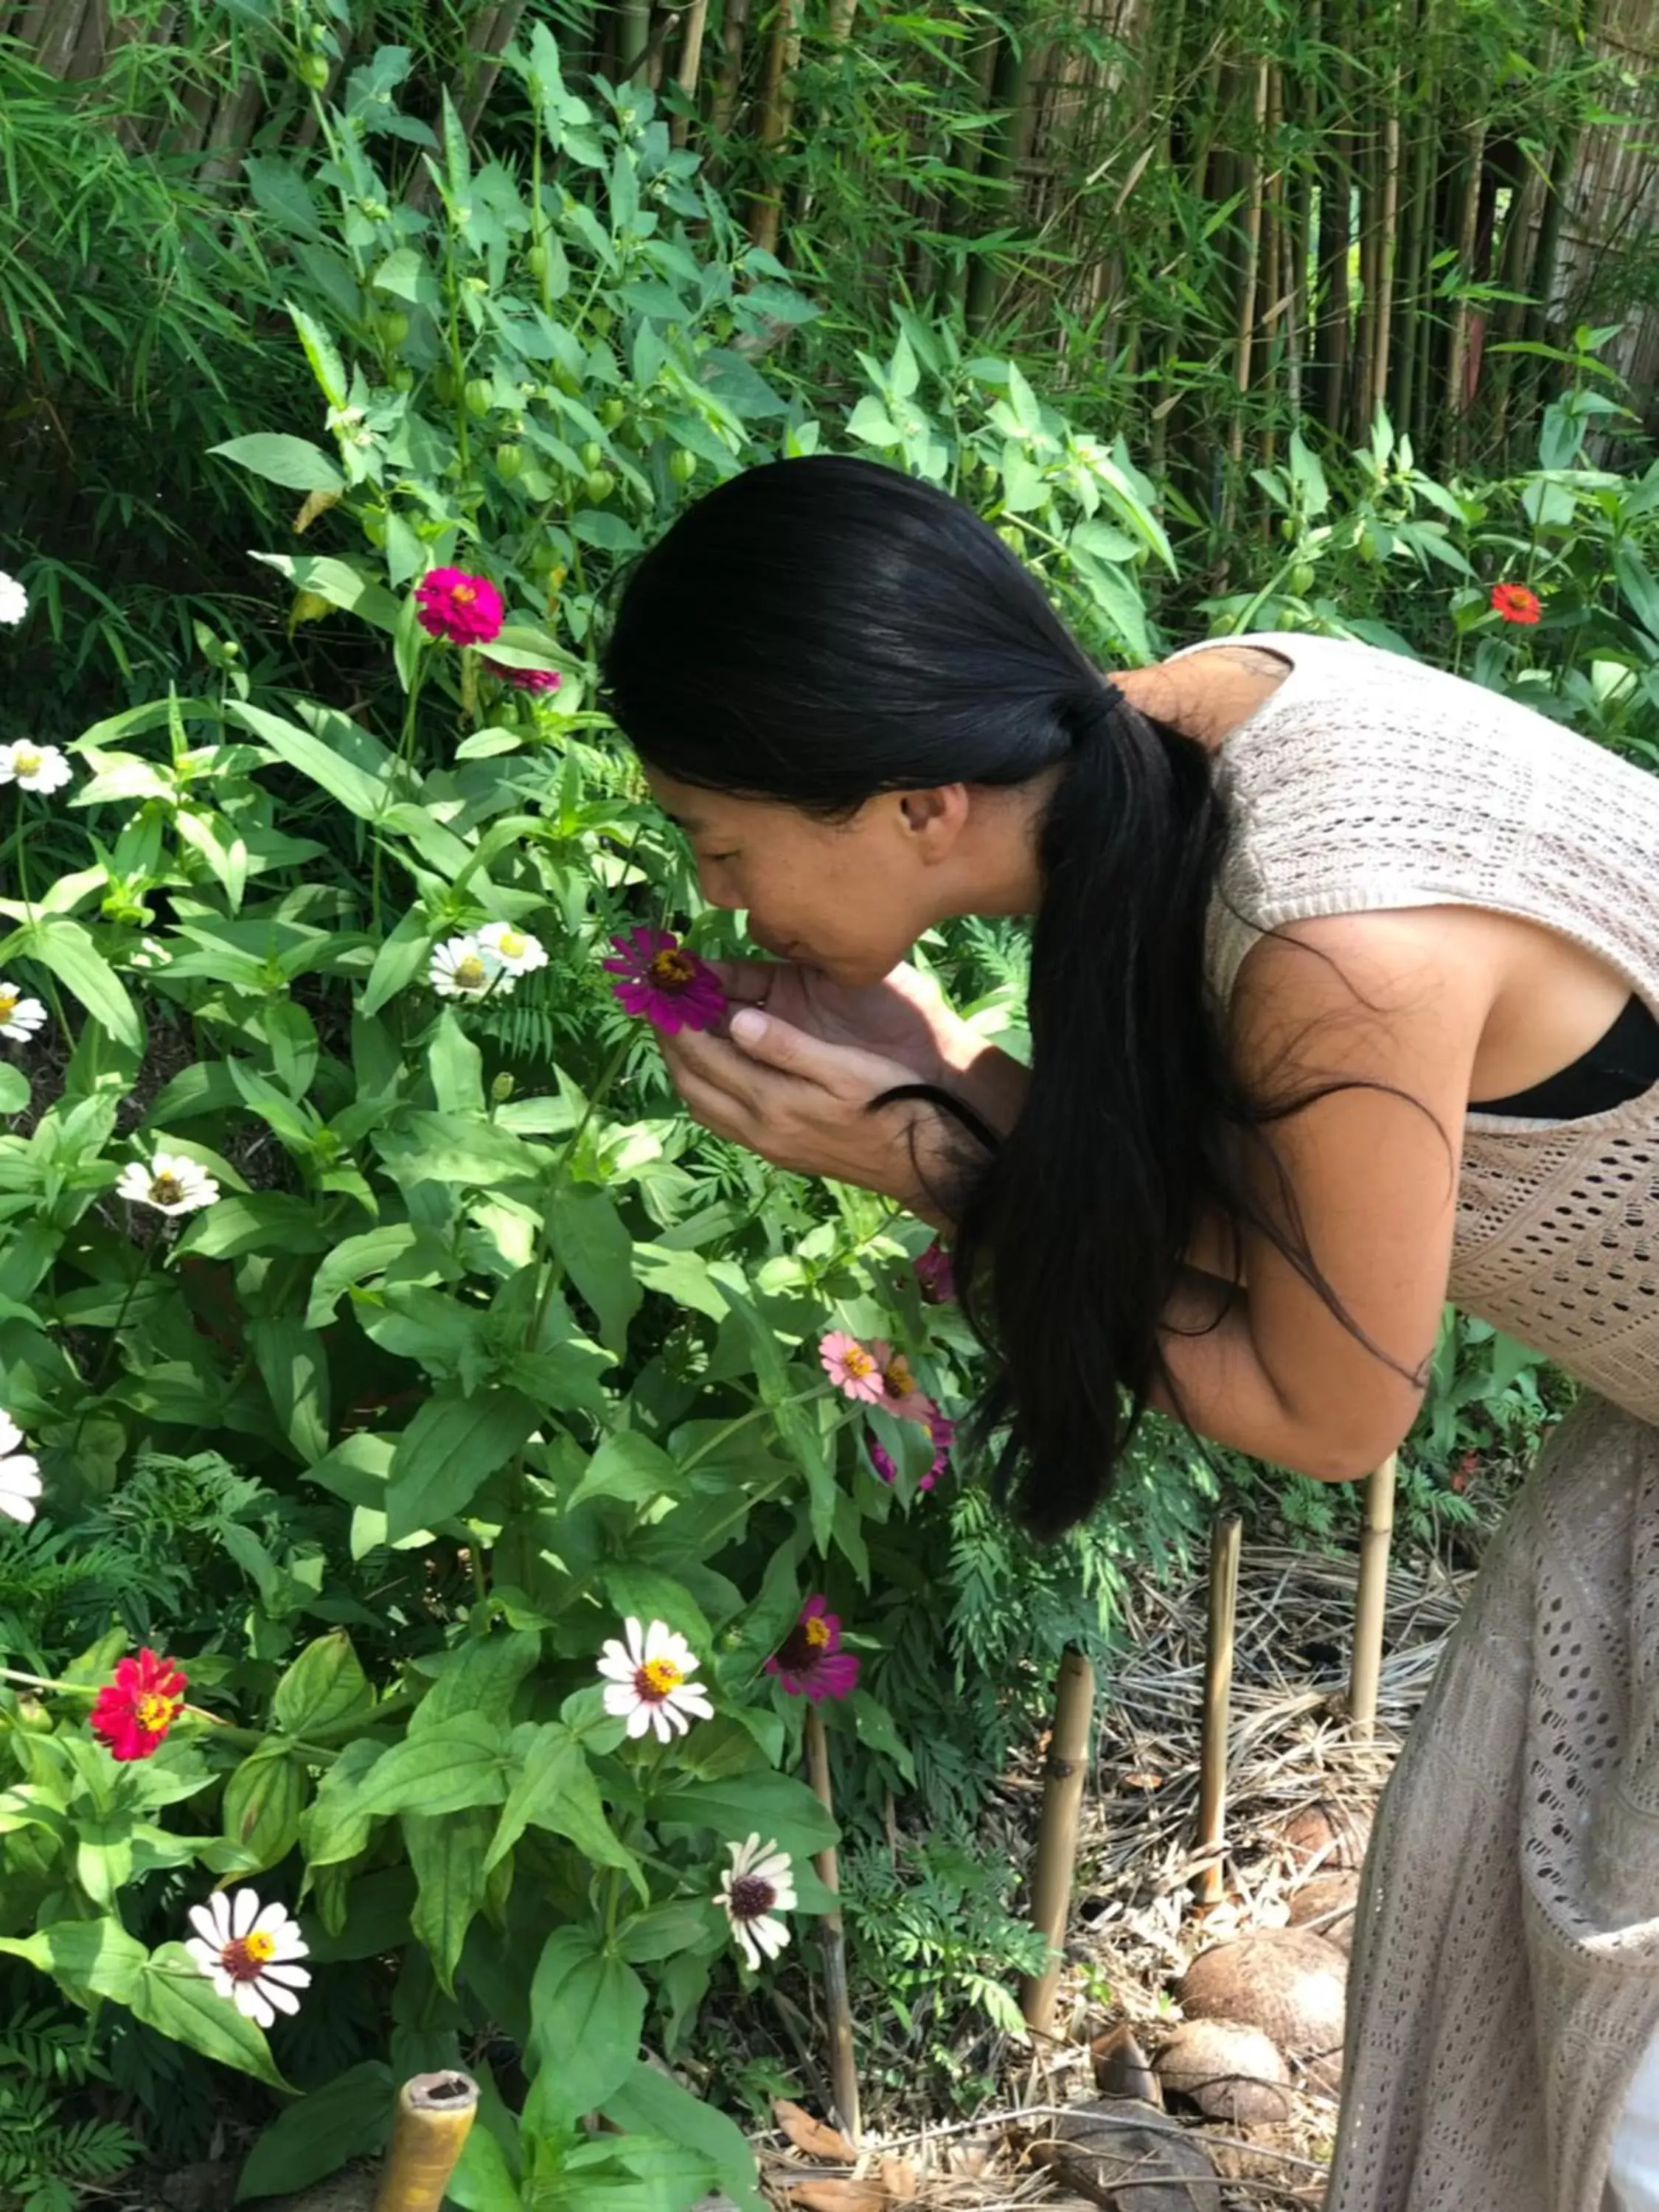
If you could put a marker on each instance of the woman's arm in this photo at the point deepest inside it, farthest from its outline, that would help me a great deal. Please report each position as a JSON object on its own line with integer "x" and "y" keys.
{"x": 1370, "y": 1173}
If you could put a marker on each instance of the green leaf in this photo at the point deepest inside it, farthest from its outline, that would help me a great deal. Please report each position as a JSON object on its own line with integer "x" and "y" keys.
{"x": 649, "y": 2103}
{"x": 627, "y": 1465}
{"x": 172, "y": 1994}
{"x": 399, "y": 961}
{"x": 587, "y": 2013}
{"x": 596, "y": 1251}
{"x": 95, "y": 1958}
{"x": 554, "y": 1789}
{"x": 351, "y": 2118}
{"x": 357, "y": 791}
{"x": 482, "y": 2181}
{"x": 14, "y": 1089}
{"x": 68, "y": 951}
{"x": 663, "y": 1930}
{"x": 253, "y": 1221}
{"x": 773, "y": 1806}
{"x": 294, "y": 1367}
{"x": 325, "y": 365}
{"x": 457, "y": 1067}
{"x": 448, "y": 1859}
{"x": 325, "y": 1685}
{"x": 453, "y": 1148}
{"x": 456, "y": 1765}
{"x": 358, "y": 1257}
{"x": 875, "y": 1727}
{"x": 1641, "y": 592}
{"x": 481, "y": 1678}
{"x": 447, "y": 1452}
{"x": 264, "y": 1799}
{"x": 340, "y": 584}
{"x": 295, "y": 463}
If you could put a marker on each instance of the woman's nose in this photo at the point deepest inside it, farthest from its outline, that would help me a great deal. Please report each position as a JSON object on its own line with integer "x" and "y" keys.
{"x": 717, "y": 888}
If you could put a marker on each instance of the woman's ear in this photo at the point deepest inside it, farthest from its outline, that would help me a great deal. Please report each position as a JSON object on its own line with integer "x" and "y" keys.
{"x": 934, "y": 819}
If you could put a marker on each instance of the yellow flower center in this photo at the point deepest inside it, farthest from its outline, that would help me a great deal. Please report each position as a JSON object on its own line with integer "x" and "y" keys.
{"x": 858, "y": 1362}
{"x": 463, "y": 594}
{"x": 26, "y": 764}
{"x": 673, "y": 970}
{"x": 8, "y": 1004}
{"x": 656, "y": 1679}
{"x": 167, "y": 1189}
{"x": 899, "y": 1380}
{"x": 244, "y": 1959}
{"x": 470, "y": 973}
{"x": 817, "y": 1631}
{"x": 154, "y": 1713}
{"x": 511, "y": 945}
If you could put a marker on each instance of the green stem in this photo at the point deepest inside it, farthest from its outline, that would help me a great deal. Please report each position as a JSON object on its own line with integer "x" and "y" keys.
{"x": 227, "y": 1731}
{"x": 608, "y": 1076}
{"x": 714, "y": 1442}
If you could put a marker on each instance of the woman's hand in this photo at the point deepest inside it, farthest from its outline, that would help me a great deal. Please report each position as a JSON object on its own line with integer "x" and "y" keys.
{"x": 903, "y": 1019}
{"x": 801, "y": 1102}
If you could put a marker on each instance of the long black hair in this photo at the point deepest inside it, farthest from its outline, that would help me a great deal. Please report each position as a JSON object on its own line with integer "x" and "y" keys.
{"x": 819, "y": 630}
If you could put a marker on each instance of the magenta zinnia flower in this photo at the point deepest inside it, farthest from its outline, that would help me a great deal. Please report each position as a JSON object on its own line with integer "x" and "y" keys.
{"x": 852, "y": 1366}
{"x": 935, "y": 1275}
{"x": 880, "y": 1458}
{"x": 523, "y": 679}
{"x": 809, "y": 1659}
{"x": 659, "y": 978}
{"x": 943, "y": 1432}
{"x": 462, "y": 609}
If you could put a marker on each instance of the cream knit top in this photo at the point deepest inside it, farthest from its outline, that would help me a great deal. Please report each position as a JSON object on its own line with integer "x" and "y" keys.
{"x": 1368, "y": 781}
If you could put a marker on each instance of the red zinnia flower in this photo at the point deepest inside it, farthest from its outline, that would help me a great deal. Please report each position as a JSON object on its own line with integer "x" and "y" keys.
{"x": 936, "y": 1275}
{"x": 463, "y": 609}
{"x": 523, "y": 679}
{"x": 810, "y": 1658}
{"x": 1515, "y": 603}
{"x": 133, "y": 1713}
{"x": 659, "y": 978}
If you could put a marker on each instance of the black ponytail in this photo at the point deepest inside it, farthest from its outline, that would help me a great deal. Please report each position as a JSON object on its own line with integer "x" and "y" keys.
{"x": 819, "y": 630}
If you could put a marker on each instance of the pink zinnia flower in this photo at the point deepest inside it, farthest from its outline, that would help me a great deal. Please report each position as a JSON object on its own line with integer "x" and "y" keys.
{"x": 462, "y": 609}
{"x": 935, "y": 1275}
{"x": 523, "y": 679}
{"x": 852, "y": 1367}
{"x": 809, "y": 1659}
{"x": 133, "y": 1713}
{"x": 943, "y": 1432}
{"x": 659, "y": 978}
{"x": 898, "y": 1385}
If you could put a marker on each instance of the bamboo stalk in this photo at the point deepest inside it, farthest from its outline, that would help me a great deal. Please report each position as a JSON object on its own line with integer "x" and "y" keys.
{"x": 1332, "y": 335}
{"x": 832, "y": 1945}
{"x": 59, "y": 35}
{"x": 1011, "y": 92}
{"x": 433, "y": 2120}
{"x": 734, "y": 22}
{"x": 1245, "y": 319}
{"x": 774, "y": 109}
{"x": 1372, "y": 1601}
{"x": 1458, "y": 353}
{"x": 691, "y": 61}
{"x": 1065, "y": 1773}
{"x": 1225, "y": 1538}
{"x": 1387, "y": 247}
{"x": 633, "y": 33}
{"x": 1419, "y": 223}
{"x": 489, "y": 45}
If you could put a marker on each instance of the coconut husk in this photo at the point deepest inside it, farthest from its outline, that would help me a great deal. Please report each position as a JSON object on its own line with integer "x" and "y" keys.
{"x": 1129, "y": 2168}
{"x": 1230, "y": 2071}
{"x": 1327, "y": 1905}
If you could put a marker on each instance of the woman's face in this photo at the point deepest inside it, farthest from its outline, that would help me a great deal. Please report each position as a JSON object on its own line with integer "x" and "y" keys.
{"x": 849, "y": 898}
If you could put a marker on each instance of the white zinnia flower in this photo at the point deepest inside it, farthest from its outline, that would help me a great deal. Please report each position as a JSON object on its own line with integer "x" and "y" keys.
{"x": 32, "y": 767}
{"x": 20, "y": 1474}
{"x": 759, "y": 1882}
{"x": 20, "y": 1017}
{"x": 646, "y": 1679}
{"x": 518, "y": 952}
{"x": 170, "y": 1184}
{"x": 463, "y": 968}
{"x": 247, "y": 1953}
{"x": 14, "y": 600}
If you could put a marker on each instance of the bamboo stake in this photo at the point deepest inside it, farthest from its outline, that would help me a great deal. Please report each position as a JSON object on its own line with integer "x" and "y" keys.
{"x": 1011, "y": 92}
{"x": 1244, "y": 320}
{"x": 434, "y": 2118}
{"x": 1372, "y": 1599}
{"x": 733, "y": 24}
{"x": 1224, "y": 1541}
{"x": 1420, "y": 230}
{"x": 1387, "y": 247}
{"x": 832, "y": 1945}
{"x": 1065, "y": 1773}
{"x": 1332, "y": 337}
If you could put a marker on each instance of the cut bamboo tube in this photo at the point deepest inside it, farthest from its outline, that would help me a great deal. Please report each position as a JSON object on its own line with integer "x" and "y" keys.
{"x": 434, "y": 2119}
{"x": 832, "y": 1943}
{"x": 691, "y": 61}
{"x": 1224, "y": 1540}
{"x": 1066, "y": 1770}
{"x": 1373, "y": 1598}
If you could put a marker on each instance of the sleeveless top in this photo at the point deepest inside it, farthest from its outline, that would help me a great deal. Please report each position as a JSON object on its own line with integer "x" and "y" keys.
{"x": 1368, "y": 781}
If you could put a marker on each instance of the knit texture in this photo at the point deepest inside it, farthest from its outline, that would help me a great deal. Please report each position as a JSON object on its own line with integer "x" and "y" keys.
{"x": 1505, "y": 1974}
